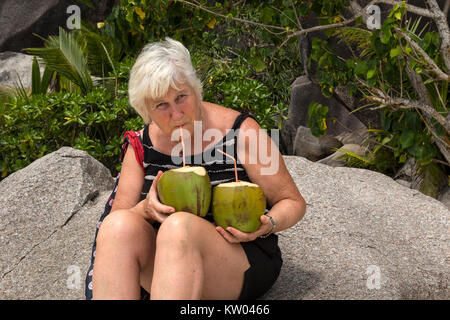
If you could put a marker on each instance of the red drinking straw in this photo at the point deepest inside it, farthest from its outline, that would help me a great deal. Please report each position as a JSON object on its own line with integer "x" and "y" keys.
{"x": 182, "y": 144}
{"x": 234, "y": 160}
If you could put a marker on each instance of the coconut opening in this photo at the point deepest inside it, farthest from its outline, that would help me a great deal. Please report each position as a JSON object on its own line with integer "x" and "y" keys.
{"x": 237, "y": 184}
{"x": 197, "y": 170}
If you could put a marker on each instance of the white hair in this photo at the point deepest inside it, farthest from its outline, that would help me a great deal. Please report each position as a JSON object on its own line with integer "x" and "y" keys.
{"x": 159, "y": 66}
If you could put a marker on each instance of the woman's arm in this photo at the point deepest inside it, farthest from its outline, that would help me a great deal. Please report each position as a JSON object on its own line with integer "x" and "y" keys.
{"x": 270, "y": 173}
{"x": 130, "y": 182}
{"x": 129, "y": 191}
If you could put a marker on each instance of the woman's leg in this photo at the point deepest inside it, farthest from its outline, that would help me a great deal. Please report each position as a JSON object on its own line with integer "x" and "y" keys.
{"x": 124, "y": 256}
{"x": 193, "y": 261}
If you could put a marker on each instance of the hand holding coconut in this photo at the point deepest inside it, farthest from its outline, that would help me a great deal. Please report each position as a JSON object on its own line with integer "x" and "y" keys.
{"x": 234, "y": 235}
{"x": 238, "y": 207}
{"x": 154, "y": 210}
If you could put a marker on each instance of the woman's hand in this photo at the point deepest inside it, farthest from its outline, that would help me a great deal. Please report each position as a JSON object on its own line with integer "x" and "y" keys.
{"x": 152, "y": 208}
{"x": 233, "y": 235}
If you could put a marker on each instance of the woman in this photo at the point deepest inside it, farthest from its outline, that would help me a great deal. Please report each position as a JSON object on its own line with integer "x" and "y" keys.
{"x": 144, "y": 245}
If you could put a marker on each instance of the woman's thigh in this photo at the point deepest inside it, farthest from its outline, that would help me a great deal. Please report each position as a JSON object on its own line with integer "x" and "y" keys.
{"x": 126, "y": 246}
{"x": 224, "y": 263}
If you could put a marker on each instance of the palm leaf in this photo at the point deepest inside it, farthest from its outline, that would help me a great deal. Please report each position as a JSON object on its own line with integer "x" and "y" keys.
{"x": 63, "y": 54}
{"x": 353, "y": 159}
{"x": 361, "y": 37}
{"x": 46, "y": 78}
{"x": 38, "y": 85}
{"x": 35, "y": 77}
{"x": 102, "y": 51}
{"x": 19, "y": 90}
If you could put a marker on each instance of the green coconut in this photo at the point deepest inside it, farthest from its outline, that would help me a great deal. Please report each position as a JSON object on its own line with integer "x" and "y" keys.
{"x": 239, "y": 205}
{"x": 186, "y": 189}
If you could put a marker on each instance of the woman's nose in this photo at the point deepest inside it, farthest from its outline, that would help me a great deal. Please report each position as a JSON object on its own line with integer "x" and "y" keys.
{"x": 177, "y": 113}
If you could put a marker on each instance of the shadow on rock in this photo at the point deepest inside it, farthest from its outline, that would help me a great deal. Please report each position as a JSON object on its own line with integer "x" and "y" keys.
{"x": 294, "y": 282}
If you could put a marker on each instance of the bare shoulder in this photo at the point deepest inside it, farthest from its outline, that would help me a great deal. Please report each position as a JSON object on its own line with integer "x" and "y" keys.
{"x": 220, "y": 116}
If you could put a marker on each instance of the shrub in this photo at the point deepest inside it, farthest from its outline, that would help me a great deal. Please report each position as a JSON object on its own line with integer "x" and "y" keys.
{"x": 95, "y": 122}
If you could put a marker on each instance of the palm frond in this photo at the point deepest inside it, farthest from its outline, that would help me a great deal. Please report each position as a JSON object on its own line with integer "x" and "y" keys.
{"x": 359, "y": 36}
{"x": 412, "y": 27}
{"x": 63, "y": 54}
{"x": 6, "y": 93}
{"x": 102, "y": 52}
{"x": 353, "y": 159}
{"x": 19, "y": 90}
{"x": 35, "y": 77}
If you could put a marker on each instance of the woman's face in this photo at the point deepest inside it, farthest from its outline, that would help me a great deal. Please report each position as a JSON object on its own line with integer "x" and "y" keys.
{"x": 177, "y": 108}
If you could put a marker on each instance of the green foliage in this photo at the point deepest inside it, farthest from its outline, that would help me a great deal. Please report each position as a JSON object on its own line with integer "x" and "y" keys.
{"x": 64, "y": 55}
{"x": 381, "y": 62}
{"x": 103, "y": 53}
{"x": 40, "y": 85}
{"x": 317, "y": 120}
{"x": 94, "y": 122}
{"x": 137, "y": 22}
{"x": 234, "y": 84}
{"x": 242, "y": 66}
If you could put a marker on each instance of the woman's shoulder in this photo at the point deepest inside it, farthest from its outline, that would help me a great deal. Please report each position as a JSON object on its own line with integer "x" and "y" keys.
{"x": 221, "y": 116}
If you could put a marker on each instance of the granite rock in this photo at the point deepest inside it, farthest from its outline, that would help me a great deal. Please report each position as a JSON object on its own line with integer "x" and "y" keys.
{"x": 46, "y": 223}
{"x": 364, "y": 236}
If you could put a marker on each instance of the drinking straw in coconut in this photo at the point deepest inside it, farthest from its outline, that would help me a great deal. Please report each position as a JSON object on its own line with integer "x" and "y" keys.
{"x": 234, "y": 160}
{"x": 182, "y": 144}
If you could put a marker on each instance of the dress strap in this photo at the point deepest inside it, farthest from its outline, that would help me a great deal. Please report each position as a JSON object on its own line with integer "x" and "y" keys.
{"x": 145, "y": 136}
{"x": 240, "y": 118}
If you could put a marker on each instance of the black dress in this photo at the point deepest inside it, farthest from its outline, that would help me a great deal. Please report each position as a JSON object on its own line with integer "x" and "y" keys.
{"x": 263, "y": 254}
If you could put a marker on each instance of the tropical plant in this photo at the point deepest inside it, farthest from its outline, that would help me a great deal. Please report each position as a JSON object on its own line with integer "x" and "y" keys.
{"x": 64, "y": 55}
{"x": 402, "y": 71}
{"x": 399, "y": 70}
{"x": 34, "y": 126}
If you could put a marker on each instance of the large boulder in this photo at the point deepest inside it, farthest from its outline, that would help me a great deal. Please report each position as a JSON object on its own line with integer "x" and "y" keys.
{"x": 20, "y": 19}
{"x": 48, "y": 214}
{"x": 15, "y": 67}
{"x": 364, "y": 236}
{"x": 308, "y": 146}
{"x": 304, "y": 91}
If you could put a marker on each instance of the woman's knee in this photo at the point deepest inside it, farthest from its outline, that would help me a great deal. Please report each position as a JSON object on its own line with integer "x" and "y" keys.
{"x": 123, "y": 225}
{"x": 180, "y": 227}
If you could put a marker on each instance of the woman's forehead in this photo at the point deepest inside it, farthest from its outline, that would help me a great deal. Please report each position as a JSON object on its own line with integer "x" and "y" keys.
{"x": 173, "y": 91}
{"x": 181, "y": 88}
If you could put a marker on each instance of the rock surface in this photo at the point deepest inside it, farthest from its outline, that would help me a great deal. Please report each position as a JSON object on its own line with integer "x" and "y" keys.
{"x": 308, "y": 146}
{"x": 14, "y": 65}
{"x": 359, "y": 225}
{"x": 47, "y": 223}
{"x": 20, "y": 19}
{"x": 303, "y": 92}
